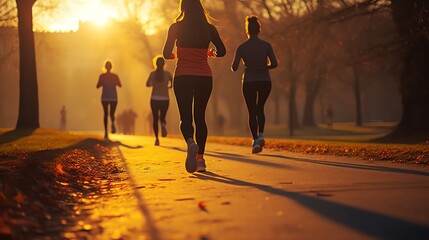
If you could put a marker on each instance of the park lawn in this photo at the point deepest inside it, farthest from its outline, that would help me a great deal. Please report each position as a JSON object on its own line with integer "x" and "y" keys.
{"x": 44, "y": 175}
{"x": 21, "y": 141}
{"x": 402, "y": 153}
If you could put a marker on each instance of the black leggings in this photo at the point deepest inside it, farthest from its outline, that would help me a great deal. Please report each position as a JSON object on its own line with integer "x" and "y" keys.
{"x": 159, "y": 110}
{"x": 196, "y": 90}
{"x": 113, "y": 105}
{"x": 256, "y": 94}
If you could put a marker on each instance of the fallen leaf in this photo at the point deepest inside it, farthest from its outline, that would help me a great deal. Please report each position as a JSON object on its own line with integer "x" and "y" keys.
{"x": 5, "y": 230}
{"x": 202, "y": 205}
{"x": 2, "y": 196}
{"x": 59, "y": 169}
{"x": 19, "y": 198}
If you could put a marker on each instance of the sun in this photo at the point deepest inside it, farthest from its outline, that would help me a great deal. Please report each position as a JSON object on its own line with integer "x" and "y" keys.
{"x": 96, "y": 12}
{"x": 68, "y": 15}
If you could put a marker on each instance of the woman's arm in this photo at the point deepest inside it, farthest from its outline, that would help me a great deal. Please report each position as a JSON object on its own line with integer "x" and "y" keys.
{"x": 149, "y": 80}
{"x": 272, "y": 57}
{"x": 169, "y": 43}
{"x": 217, "y": 41}
{"x": 237, "y": 59}
{"x": 99, "y": 84}
{"x": 118, "y": 82}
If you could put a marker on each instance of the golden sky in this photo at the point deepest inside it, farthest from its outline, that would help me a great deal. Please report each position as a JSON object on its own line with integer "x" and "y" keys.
{"x": 67, "y": 14}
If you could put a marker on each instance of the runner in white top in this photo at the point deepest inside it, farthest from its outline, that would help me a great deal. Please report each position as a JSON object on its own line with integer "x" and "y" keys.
{"x": 160, "y": 81}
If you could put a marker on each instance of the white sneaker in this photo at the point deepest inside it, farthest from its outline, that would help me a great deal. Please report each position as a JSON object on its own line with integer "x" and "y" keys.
{"x": 191, "y": 158}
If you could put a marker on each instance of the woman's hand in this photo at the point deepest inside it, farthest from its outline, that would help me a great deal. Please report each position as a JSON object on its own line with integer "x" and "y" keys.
{"x": 211, "y": 53}
{"x": 172, "y": 56}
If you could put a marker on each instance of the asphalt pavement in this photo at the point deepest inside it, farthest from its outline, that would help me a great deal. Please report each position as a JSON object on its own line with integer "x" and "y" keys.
{"x": 271, "y": 195}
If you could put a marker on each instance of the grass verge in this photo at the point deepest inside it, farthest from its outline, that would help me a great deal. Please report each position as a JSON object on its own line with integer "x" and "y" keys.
{"x": 402, "y": 153}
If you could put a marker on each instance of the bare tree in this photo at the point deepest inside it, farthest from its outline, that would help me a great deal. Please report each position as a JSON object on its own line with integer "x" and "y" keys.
{"x": 28, "y": 117}
{"x": 8, "y": 15}
{"x": 412, "y": 21}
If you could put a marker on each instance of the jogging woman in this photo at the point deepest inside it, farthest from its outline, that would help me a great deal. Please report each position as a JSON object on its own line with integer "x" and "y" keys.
{"x": 255, "y": 53}
{"x": 160, "y": 81}
{"x": 109, "y": 97}
{"x": 192, "y": 34}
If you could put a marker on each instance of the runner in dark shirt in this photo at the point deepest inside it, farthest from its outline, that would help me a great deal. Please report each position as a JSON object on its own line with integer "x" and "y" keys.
{"x": 255, "y": 54}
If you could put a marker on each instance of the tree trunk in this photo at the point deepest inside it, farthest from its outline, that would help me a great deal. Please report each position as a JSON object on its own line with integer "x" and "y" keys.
{"x": 312, "y": 90}
{"x": 28, "y": 117}
{"x": 292, "y": 107}
{"x": 277, "y": 110}
{"x": 358, "y": 94}
{"x": 411, "y": 19}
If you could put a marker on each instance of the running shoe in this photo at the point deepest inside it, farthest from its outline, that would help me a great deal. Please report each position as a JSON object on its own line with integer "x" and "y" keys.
{"x": 201, "y": 165}
{"x": 261, "y": 140}
{"x": 163, "y": 130}
{"x": 256, "y": 148}
{"x": 191, "y": 158}
{"x": 157, "y": 142}
{"x": 113, "y": 128}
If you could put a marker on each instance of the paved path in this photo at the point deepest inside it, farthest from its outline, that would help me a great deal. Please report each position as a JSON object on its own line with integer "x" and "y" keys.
{"x": 272, "y": 195}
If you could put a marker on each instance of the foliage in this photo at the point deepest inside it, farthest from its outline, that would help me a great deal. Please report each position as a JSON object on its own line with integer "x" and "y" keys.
{"x": 402, "y": 153}
{"x": 44, "y": 188}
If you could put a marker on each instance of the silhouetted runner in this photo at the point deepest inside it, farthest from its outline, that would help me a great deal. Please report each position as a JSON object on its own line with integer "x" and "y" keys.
{"x": 192, "y": 33}
{"x": 256, "y": 79}
{"x": 63, "y": 118}
{"x": 160, "y": 81}
{"x": 109, "y": 97}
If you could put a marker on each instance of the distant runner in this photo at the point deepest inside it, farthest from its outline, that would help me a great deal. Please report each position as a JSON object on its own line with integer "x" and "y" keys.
{"x": 160, "y": 81}
{"x": 255, "y": 53}
{"x": 109, "y": 97}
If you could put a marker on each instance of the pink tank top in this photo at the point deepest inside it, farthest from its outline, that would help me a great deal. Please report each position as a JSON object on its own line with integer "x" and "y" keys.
{"x": 192, "y": 62}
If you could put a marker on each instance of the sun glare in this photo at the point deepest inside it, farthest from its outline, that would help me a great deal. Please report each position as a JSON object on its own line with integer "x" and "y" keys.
{"x": 68, "y": 16}
{"x": 96, "y": 12}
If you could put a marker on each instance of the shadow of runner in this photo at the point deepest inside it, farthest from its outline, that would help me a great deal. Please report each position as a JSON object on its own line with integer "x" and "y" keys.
{"x": 367, "y": 222}
{"x": 14, "y": 135}
{"x": 350, "y": 165}
{"x": 153, "y": 231}
{"x": 118, "y": 143}
{"x": 236, "y": 157}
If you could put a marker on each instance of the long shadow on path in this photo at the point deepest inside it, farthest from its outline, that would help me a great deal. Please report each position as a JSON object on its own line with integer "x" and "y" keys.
{"x": 151, "y": 227}
{"x": 367, "y": 222}
{"x": 236, "y": 157}
{"x": 350, "y": 165}
{"x": 244, "y": 159}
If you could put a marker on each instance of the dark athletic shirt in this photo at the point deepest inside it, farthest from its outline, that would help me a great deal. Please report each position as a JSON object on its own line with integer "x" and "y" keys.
{"x": 255, "y": 53}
